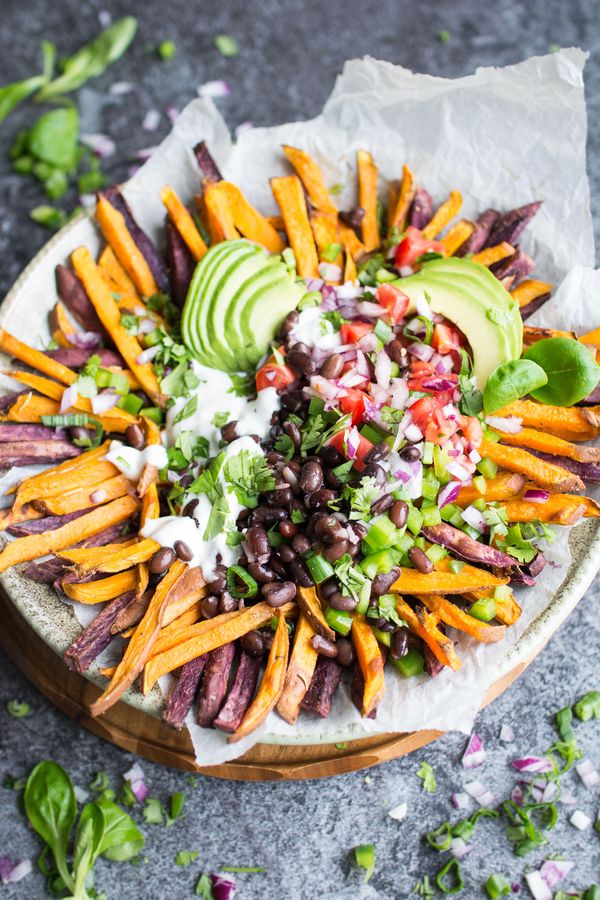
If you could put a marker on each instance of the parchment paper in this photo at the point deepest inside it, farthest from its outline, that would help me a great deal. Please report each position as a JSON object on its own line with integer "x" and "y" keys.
{"x": 504, "y": 137}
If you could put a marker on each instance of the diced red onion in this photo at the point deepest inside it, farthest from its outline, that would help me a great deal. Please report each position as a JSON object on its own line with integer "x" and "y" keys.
{"x": 460, "y": 800}
{"x": 85, "y": 340}
{"x": 368, "y": 342}
{"x": 121, "y": 87}
{"x": 424, "y": 352}
{"x": 550, "y": 792}
{"x": 146, "y": 325}
{"x": 474, "y": 755}
{"x": 450, "y": 411}
{"x": 517, "y": 795}
{"x": 147, "y": 355}
{"x": 172, "y": 476}
{"x": 172, "y": 113}
{"x": 398, "y": 812}
{"x": 324, "y": 388}
{"x": 443, "y": 364}
{"x": 423, "y": 307}
{"x": 459, "y": 848}
{"x": 362, "y": 364}
{"x": 405, "y": 271}
{"x": 413, "y": 434}
{"x": 214, "y": 89}
{"x": 98, "y": 496}
{"x": 135, "y": 777}
{"x": 329, "y": 271}
{"x": 458, "y": 471}
{"x": 12, "y": 872}
{"x": 351, "y": 379}
{"x": 448, "y": 493}
{"x": 144, "y": 153}
{"x": 366, "y": 308}
{"x": 535, "y": 495}
{"x": 223, "y": 887}
{"x": 81, "y": 795}
{"x": 587, "y": 773}
{"x": 349, "y": 291}
{"x": 313, "y": 284}
{"x": 439, "y": 384}
{"x": 69, "y": 398}
{"x": 383, "y": 369}
{"x": 553, "y": 871}
{"x": 580, "y": 820}
{"x": 104, "y": 401}
{"x": 151, "y": 120}
{"x": 352, "y": 442}
{"x": 507, "y": 424}
{"x": 399, "y": 394}
{"x": 100, "y": 144}
{"x": 104, "y": 17}
{"x": 507, "y": 734}
{"x": 475, "y": 456}
{"x": 532, "y": 764}
{"x": 480, "y": 793}
{"x": 538, "y": 887}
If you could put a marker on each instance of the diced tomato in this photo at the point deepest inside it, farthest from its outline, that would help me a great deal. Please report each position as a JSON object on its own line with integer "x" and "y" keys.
{"x": 274, "y": 375}
{"x": 353, "y": 404}
{"x": 427, "y": 415}
{"x": 364, "y": 446}
{"x": 472, "y": 430}
{"x": 351, "y": 332}
{"x": 394, "y": 301}
{"x": 445, "y": 338}
{"x": 413, "y": 245}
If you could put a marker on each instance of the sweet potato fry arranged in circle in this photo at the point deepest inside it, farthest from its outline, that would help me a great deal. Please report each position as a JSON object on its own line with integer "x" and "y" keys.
{"x": 371, "y": 664}
{"x": 300, "y": 671}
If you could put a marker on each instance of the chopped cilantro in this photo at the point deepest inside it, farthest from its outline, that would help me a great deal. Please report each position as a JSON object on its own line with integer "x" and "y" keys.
{"x": 185, "y": 857}
{"x": 444, "y": 36}
{"x": 153, "y": 812}
{"x": 336, "y": 189}
{"x": 126, "y": 795}
{"x": 284, "y": 444}
{"x": 242, "y": 384}
{"x": 335, "y": 318}
{"x": 425, "y": 773}
{"x": 250, "y": 475}
{"x": 180, "y": 381}
{"x": 204, "y": 888}
{"x": 130, "y": 323}
{"x": 351, "y": 579}
{"x": 471, "y": 401}
{"x": 220, "y": 419}
{"x": 362, "y": 497}
{"x": 188, "y": 410}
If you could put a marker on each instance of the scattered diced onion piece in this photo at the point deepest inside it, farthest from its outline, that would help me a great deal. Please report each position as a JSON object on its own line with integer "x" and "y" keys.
{"x": 587, "y": 773}
{"x": 223, "y": 887}
{"x": 580, "y": 820}
{"x": 459, "y": 848}
{"x": 553, "y": 871}
{"x": 69, "y": 398}
{"x": 98, "y": 496}
{"x": 104, "y": 401}
{"x": 460, "y": 800}
{"x": 214, "y": 89}
{"x": 147, "y": 355}
{"x": 121, "y": 87}
{"x": 532, "y": 764}
{"x": 329, "y": 271}
{"x": 11, "y": 872}
{"x": 473, "y": 516}
{"x": 538, "y": 887}
{"x": 507, "y": 734}
{"x": 81, "y": 795}
{"x": 535, "y": 495}
{"x": 480, "y": 793}
{"x": 398, "y": 812}
{"x": 151, "y": 120}
{"x": 100, "y": 144}
{"x": 474, "y": 754}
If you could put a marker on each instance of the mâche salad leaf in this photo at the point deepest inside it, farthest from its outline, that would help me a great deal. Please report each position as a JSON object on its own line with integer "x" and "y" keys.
{"x": 571, "y": 370}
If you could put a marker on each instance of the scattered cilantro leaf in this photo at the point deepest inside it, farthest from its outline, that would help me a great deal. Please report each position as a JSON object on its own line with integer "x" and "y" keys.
{"x": 426, "y": 774}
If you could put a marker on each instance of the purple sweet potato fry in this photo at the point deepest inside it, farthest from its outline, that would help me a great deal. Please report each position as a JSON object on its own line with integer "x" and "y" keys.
{"x": 47, "y": 523}
{"x": 357, "y": 689}
{"x": 592, "y": 399}
{"x": 421, "y": 209}
{"x": 155, "y": 262}
{"x": 96, "y": 637}
{"x": 132, "y": 614}
{"x": 181, "y": 264}
{"x": 468, "y": 548}
{"x": 15, "y": 432}
{"x": 533, "y": 306}
{"x": 45, "y": 572}
{"x": 517, "y": 267}
{"x": 77, "y": 357}
{"x": 433, "y": 666}
{"x": 476, "y": 241}
{"x": 536, "y": 565}
{"x": 510, "y": 225}
{"x": 587, "y": 471}
{"x": 240, "y": 695}
{"x": 182, "y": 696}
{"x": 7, "y": 400}
{"x": 73, "y": 295}
{"x": 208, "y": 166}
{"x": 26, "y": 453}
{"x": 214, "y": 684}
{"x": 324, "y": 683}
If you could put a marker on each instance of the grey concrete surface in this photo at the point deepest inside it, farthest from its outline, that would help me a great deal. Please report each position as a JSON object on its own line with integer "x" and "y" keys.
{"x": 290, "y": 52}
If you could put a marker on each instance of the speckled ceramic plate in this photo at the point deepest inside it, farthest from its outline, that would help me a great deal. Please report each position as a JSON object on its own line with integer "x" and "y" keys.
{"x": 24, "y": 312}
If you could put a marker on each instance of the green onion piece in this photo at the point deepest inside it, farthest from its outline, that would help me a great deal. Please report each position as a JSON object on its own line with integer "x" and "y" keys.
{"x": 484, "y": 609}
{"x": 330, "y": 252}
{"x": 154, "y": 413}
{"x": 384, "y": 275}
{"x": 431, "y": 485}
{"x": 383, "y": 331}
{"x": 243, "y": 869}
{"x": 456, "y": 566}
{"x": 503, "y": 592}
{"x": 441, "y": 838}
{"x": 338, "y": 620}
{"x": 364, "y": 598}
{"x": 497, "y": 886}
{"x": 479, "y": 504}
{"x": 226, "y": 45}
{"x": 372, "y": 434}
{"x": 235, "y": 574}
{"x": 77, "y": 420}
{"x": 152, "y": 338}
{"x": 130, "y": 403}
{"x": 17, "y": 709}
{"x": 364, "y": 856}
{"x": 588, "y": 706}
{"x": 410, "y": 329}
{"x": 564, "y": 725}
{"x": 411, "y": 664}
{"x": 381, "y": 533}
{"x": 319, "y": 567}
{"x": 450, "y": 870}
{"x": 487, "y": 468}
{"x": 427, "y": 458}
{"x": 414, "y": 521}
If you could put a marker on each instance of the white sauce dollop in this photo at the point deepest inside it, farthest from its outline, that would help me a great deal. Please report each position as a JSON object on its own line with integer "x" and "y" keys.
{"x": 314, "y": 330}
{"x": 131, "y": 462}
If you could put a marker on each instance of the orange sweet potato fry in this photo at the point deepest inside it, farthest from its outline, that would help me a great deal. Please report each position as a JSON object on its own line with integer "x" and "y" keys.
{"x": 170, "y": 633}
{"x": 276, "y": 222}
{"x": 559, "y": 509}
{"x": 550, "y": 443}
{"x": 206, "y": 636}
{"x": 457, "y": 235}
{"x": 60, "y": 325}
{"x": 290, "y": 198}
{"x": 271, "y": 686}
{"x": 218, "y": 215}
{"x": 350, "y": 273}
{"x": 12, "y": 346}
{"x": 142, "y": 575}
{"x": 183, "y": 222}
{"x": 546, "y": 474}
{"x": 571, "y": 423}
{"x": 116, "y": 276}
{"x": 81, "y": 498}
{"x": 66, "y": 476}
{"x": 172, "y": 637}
{"x": 311, "y": 177}
{"x": 398, "y": 210}
{"x": 309, "y": 603}
{"x": 108, "y": 312}
{"x": 367, "y": 198}
{"x": 140, "y": 644}
{"x": 303, "y": 660}
{"x": 327, "y": 236}
{"x": 443, "y": 215}
{"x": 443, "y": 581}
{"x": 116, "y": 233}
{"x": 33, "y": 546}
{"x": 371, "y": 664}
{"x": 424, "y": 624}
{"x": 122, "y": 557}
{"x": 503, "y": 486}
{"x": 528, "y": 290}
{"x": 249, "y": 222}
{"x": 449, "y": 613}
{"x": 532, "y": 335}
{"x": 31, "y": 408}
{"x": 494, "y": 254}
{"x": 591, "y": 337}
{"x": 150, "y": 505}
{"x": 102, "y": 590}
{"x": 353, "y": 246}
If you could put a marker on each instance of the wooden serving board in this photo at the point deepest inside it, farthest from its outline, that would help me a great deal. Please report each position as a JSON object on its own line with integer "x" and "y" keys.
{"x": 145, "y": 735}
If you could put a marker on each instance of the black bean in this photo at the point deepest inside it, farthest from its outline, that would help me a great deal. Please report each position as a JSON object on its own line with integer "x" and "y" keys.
{"x": 186, "y": 481}
{"x": 261, "y": 572}
{"x": 135, "y": 436}
{"x": 385, "y": 626}
{"x": 300, "y": 573}
{"x": 295, "y": 466}
{"x": 300, "y": 543}
{"x": 190, "y": 506}
{"x": 277, "y": 566}
{"x": 288, "y": 324}
{"x": 332, "y": 480}
{"x": 311, "y": 477}
{"x": 399, "y": 645}
{"x": 209, "y": 606}
{"x": 359, "y": 529}
{"x": 183, "y": 551}
{"x": 292, "y": 401}
{"x": 229, "y": 432}
{"x": 345, "y": 604}
{"x": 420, "y": 560}
{"x": 287, "y": 529}
{"x": 219, "y": 582}
{"x": 383, "y": 582}
{"x": 375, "y": 471}
{"x": 253, "y": 643}
{"x": 299, "y": 347}
{"x": 286, "y": 553}
{"x": 243, "y": 516}
{"x": 301, "y": 361}
{"x": 398, "y": 352}
{"x": 273, "y": 457}
{"x": 278, "y": 497}
{"x": 377, "y": 453}
{"x": 161, "y": 560}
{"x": 382, "y": 504}
{"x": 276, "y": 593}
{"x": 328, "y": 529}
{"x": 330, "y": 456}
{"x": 399, "y": 513}
{"x": 227, "y": 603}
{"x": 276, "y": 430}
{"x": 257, "y": 539}
{"x": 293, "y": 432}
{"x": 326, "y": 588}
{"x": 323, "y": 646}
{"x": 410, "y": 453}
{"x": 267, "y": 515}
{"x": 333, "y": 366}
{"x": 345, "y": 651}
{"x": 335, "y": 551}
{"x": 291, "y": 478}
{"x": 321, "y": 498}
{"x": 352, "y": 217}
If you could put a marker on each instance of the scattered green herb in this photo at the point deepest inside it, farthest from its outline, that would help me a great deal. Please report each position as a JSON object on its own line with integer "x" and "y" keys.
{"x": 364, "y": 856}
{"x": 226, "y": 45}
{"x": 185, "y": 857}
{"x": 17, "y": 709}
{"x": 427, "y": 776}
{"x": 511, "y": 381}
{"x": 166, "y": 50}
{"x": 571, "y": 370}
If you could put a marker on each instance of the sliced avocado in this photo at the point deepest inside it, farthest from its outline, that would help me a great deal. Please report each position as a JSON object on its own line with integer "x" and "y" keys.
{"x": 237, "y": 298}
{"x": 470, "y": 296}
